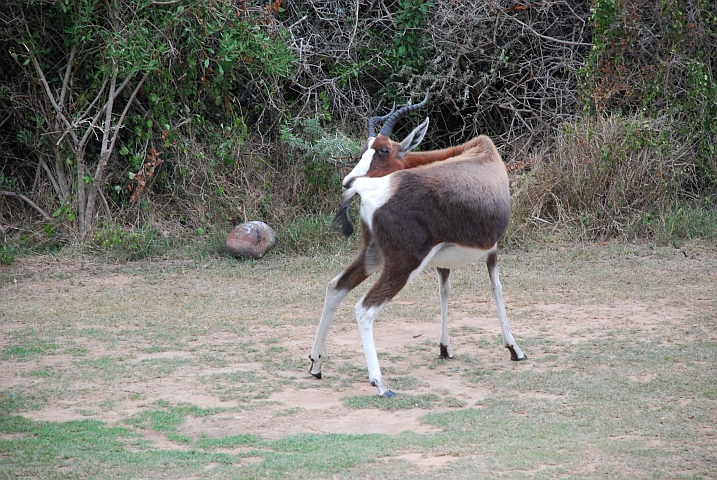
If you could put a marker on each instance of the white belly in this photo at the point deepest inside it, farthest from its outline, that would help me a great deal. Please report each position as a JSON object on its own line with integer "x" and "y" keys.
{"x": 448, "y": 255}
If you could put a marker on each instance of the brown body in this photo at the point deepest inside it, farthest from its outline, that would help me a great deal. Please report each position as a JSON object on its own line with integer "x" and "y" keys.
{"x": 474, "y": 212}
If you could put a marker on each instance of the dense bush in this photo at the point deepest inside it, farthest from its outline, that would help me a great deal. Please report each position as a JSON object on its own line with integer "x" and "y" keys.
{"x": 657, "y": 59}
{"x": 642, "y": 160}
{"x": 183, "y": 119}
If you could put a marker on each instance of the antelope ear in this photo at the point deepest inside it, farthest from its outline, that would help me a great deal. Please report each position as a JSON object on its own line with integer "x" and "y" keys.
{"x": 413, "y": 139}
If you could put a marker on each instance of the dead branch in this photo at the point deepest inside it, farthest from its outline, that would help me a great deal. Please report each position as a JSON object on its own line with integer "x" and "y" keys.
{"x": 28, "y": 201}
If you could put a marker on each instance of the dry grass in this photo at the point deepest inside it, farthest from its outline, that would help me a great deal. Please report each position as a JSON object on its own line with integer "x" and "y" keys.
{"x": 606, "y": 178}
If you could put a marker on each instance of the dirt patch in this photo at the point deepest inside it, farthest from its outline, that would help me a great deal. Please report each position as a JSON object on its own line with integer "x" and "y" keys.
{"x": 409, "y": 351}
{"x": 425, "y": 462}
{"x": 289, "y": 418}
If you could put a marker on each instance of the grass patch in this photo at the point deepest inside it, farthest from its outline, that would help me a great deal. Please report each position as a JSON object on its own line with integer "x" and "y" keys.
{"x": 28, "y": 350}
{"x": 13, "y": 401}
{"x": 166, "y": 418}
{"x": 88, "y": 448}
{"x": 620, "y": 379}
{"x": 110, "y": 368}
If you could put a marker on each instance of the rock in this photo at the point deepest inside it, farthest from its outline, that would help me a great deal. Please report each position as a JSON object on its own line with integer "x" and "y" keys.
{"x": 250, "y": 239}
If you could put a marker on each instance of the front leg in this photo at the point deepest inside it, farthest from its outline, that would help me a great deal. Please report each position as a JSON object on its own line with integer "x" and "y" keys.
{"x": 444, "y": 290}
{"x": 365, "y": 318}
{"x": 334, "y": 295}
{"x": 392, "y": 279}
{"x": 360, "y": 269}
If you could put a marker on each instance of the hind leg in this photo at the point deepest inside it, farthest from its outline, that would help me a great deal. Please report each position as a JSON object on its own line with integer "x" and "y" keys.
{"x": 444, "y": 290}
{"x": 516, "y": 354}
{"x": 392, "y": 279}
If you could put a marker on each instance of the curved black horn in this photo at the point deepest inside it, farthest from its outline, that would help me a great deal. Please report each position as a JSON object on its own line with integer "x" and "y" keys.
{"x": 374, "y": 120}
{"x": 391, "y": 122}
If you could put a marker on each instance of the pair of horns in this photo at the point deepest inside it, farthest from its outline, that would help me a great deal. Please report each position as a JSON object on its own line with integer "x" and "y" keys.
{"x": 389, "y": 120}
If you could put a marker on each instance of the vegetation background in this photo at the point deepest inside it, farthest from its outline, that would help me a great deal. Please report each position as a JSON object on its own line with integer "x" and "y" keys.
{"x": 129, "y": 126}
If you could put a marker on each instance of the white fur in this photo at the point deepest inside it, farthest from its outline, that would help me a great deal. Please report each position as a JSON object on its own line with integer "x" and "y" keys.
{"x": 451, "y": 256}
{"x": 333, "y": 299}
{"x": 444, "y": 292}
{"x": 365, "y": 318}
{"x": 363, "y": 164}
{"x": 374, "y": 193}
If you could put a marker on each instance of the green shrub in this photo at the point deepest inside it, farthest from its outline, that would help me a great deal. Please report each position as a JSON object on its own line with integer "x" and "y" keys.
{"x": 128, "y": 245}
{"x": 7, "y": 255}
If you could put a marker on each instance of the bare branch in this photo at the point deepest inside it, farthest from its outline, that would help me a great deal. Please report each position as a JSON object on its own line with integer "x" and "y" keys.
{"x": 68, "y": 70}
{"x": 95, "y": 119}
{"x": 545, "y": 37}
{"x": 130, "y": 101}
{"x": 53, "y": 181}
{"x": 48, "y": 91}
{"x": 4, "y": 120}
{"x": 106, "y": 205}
{"x": 28, "y": 201}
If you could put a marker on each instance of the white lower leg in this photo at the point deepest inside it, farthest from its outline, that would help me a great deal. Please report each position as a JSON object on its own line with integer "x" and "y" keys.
{"x": 333, "y": 299}
{"x": 497, "y": 290}
{"x": 444, "y": 290}
{"x": 365, "y": 318}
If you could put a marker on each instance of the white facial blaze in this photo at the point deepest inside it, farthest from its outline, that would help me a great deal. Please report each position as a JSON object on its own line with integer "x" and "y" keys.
{"x": 363, "y": 164}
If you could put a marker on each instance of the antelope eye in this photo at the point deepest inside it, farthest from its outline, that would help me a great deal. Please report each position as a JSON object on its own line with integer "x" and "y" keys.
{"x": 383, "y": 151}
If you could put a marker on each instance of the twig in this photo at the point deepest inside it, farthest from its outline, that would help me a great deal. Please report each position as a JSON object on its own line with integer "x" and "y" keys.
{"x": 356, "y": 21}
{"x": 550, "y": 39}
{"x": 28, "y": 201}
{"x": 298, "y": 22}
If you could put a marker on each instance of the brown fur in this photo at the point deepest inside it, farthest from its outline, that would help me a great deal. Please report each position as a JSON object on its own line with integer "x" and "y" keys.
{"x": 457, "y": 196}
{"x": 462, "y": 199}
{"x": 387, "y": 158}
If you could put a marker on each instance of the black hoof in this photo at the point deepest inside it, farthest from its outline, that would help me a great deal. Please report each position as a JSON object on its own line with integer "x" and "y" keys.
{"x": 388, "y": 394}
{"x": 514, "y": 356}
{"x": 444, "y": 351}
{"x": 311, "y": 367}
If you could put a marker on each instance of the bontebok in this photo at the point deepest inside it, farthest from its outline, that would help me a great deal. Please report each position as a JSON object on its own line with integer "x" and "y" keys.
{"x": 444, "y": 208}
